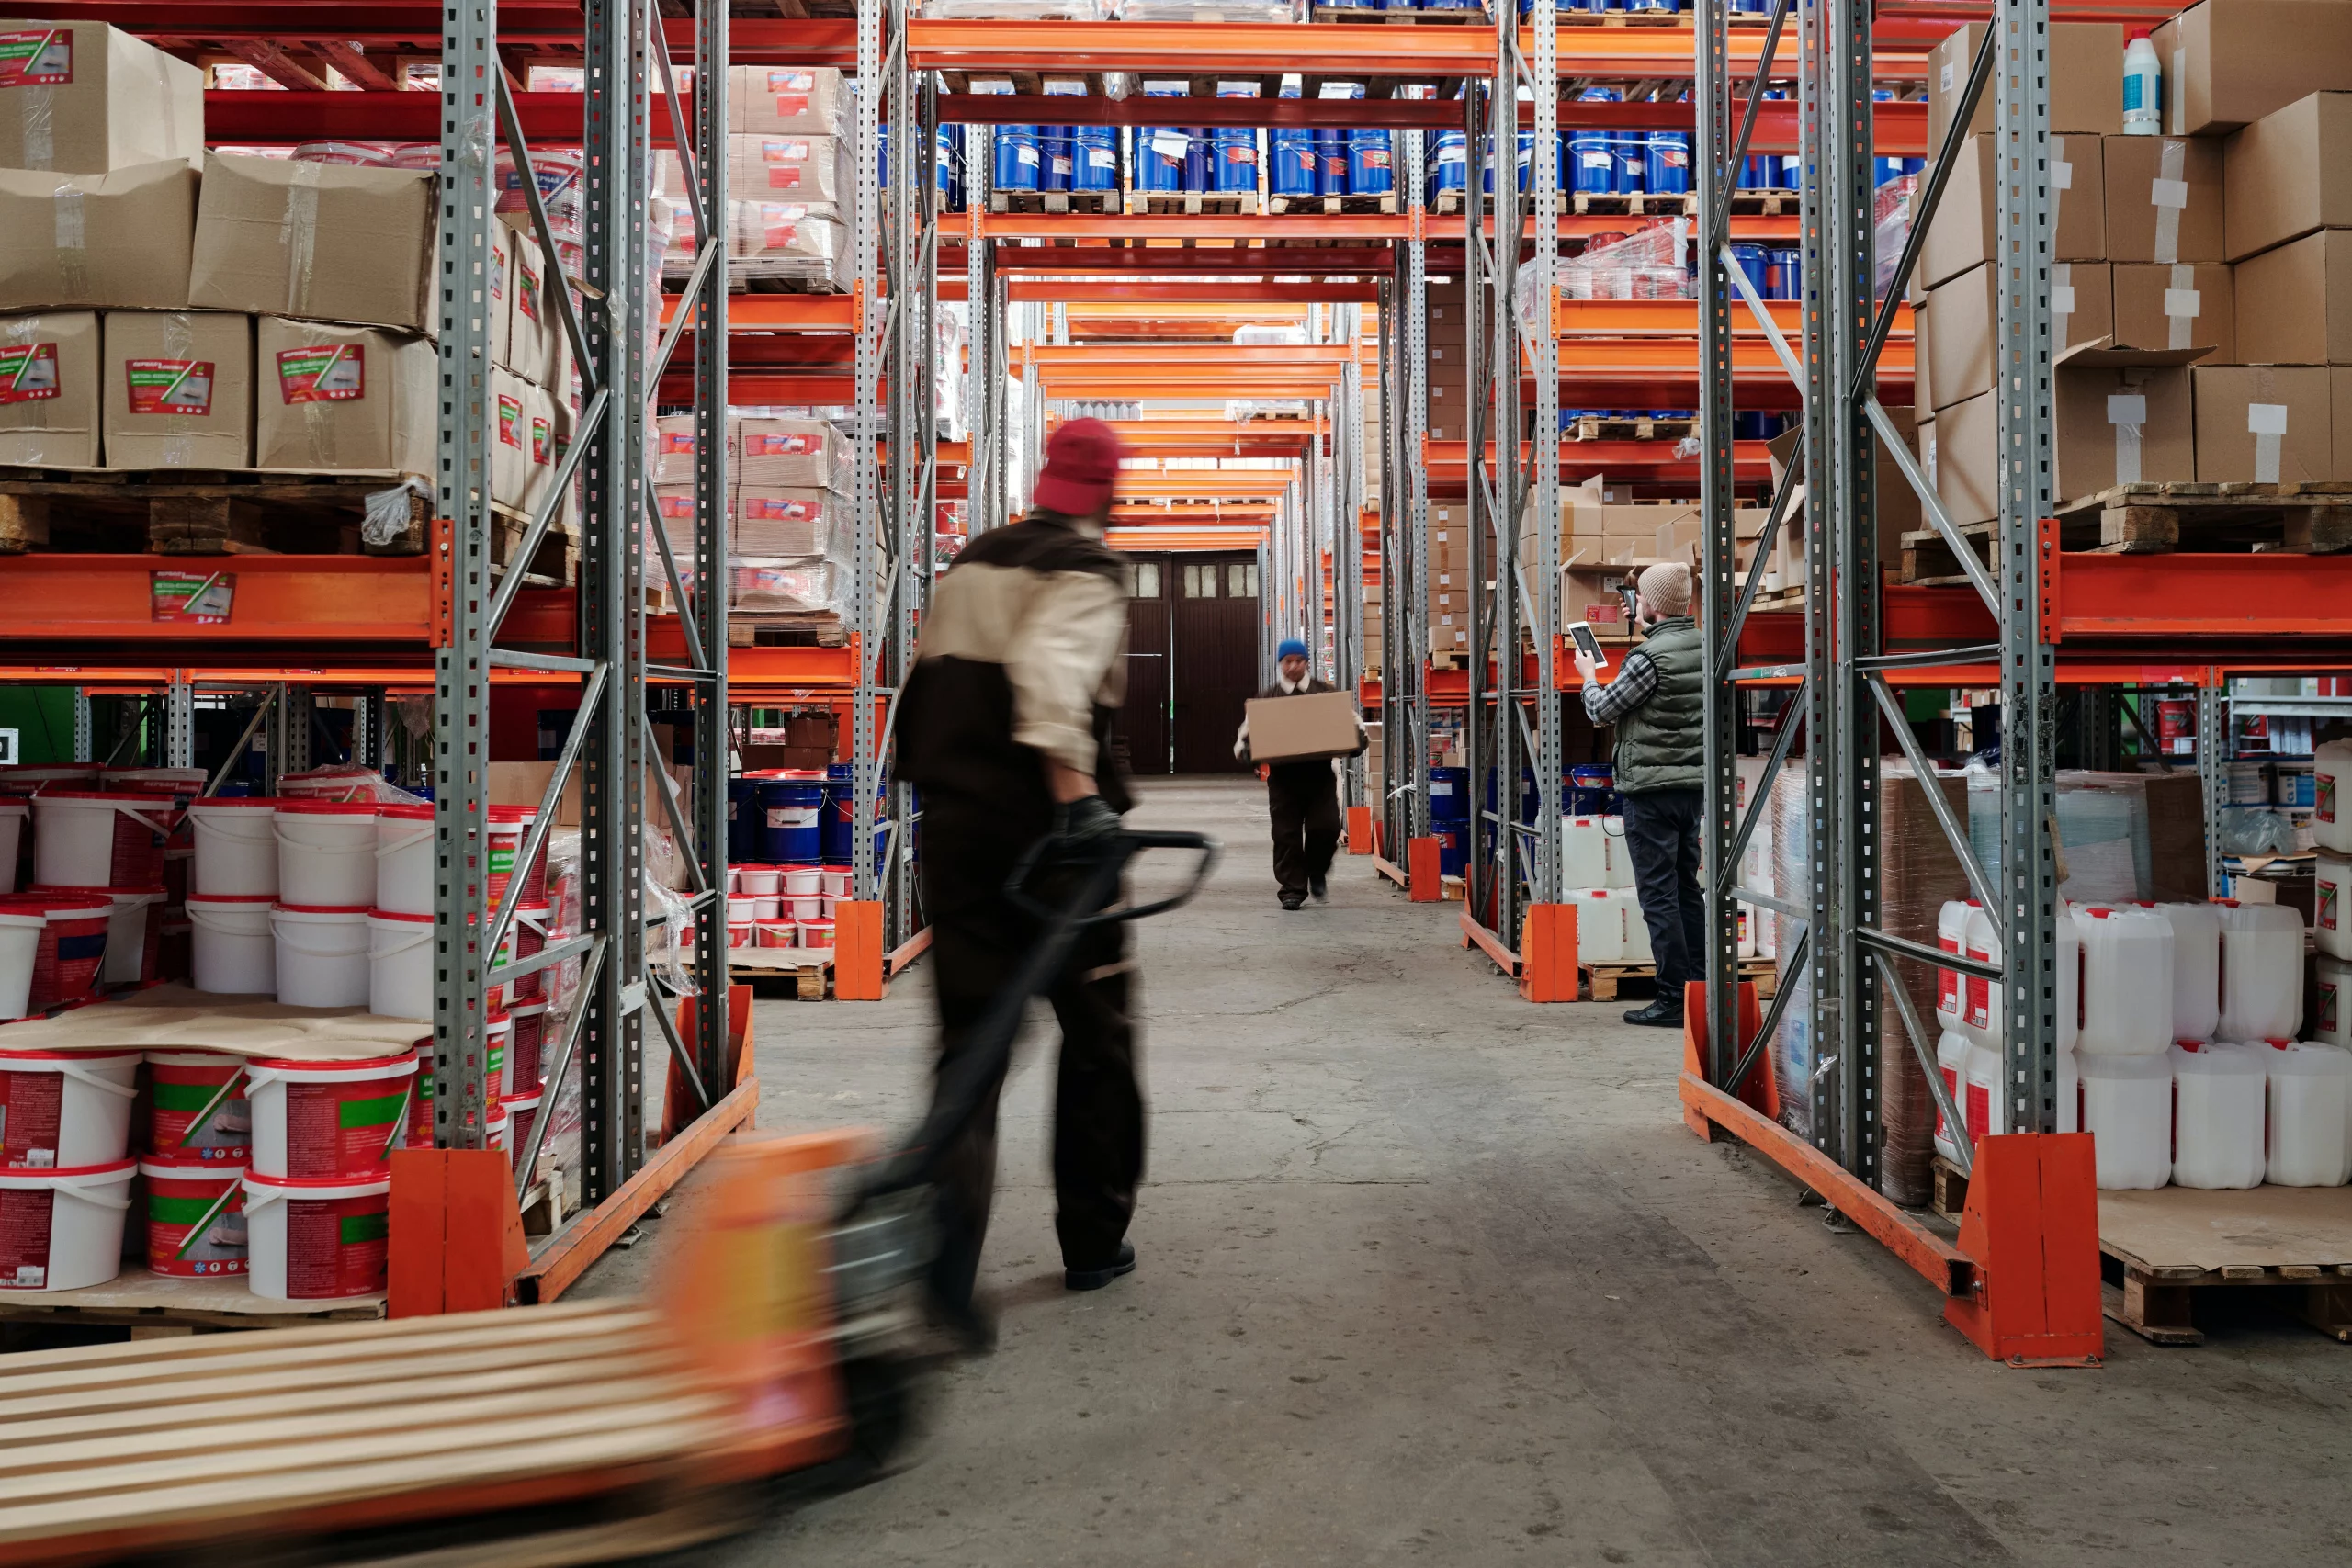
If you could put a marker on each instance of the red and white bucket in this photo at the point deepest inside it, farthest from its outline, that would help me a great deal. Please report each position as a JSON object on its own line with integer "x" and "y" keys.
{"x": 804, "y": 906}
{"x": 743, "y": 908}
{"x": 197, "y": 1108}
{"x": 815, "y": 933}
{"x": 509, "y": 826}
{"x": 321, "y": 955}
{"x": 196, "y": 1218}
{"x": 60, "y": 1108}
{"x": 62, "y": 1229}
{"x": 399, "y": 964}
{"x": 96, "y": 838}
{"x": 525, "y": 1047}
{"x": 804, "y": 880}
{"x": 529, "y": 934}
{"x": 741, "y": 933}
{"x": 134, "y": 929}
{"x": 758, "y": 878}
{"x": 231, "y": 949}
{"x": 33, "y": 778}
{"x": 405, "y": 859}
{"x": 236, "y": 847}
{"x": 14, "y": 815}
{"x": 522, "y": 1115}
{"x": 768, "y": 906}
{"x": 22, "y": 921}
{"x": 73, "y": 947}
{"x": 317, "y": 1238}
{"x": 498, "y": 1039}
{"x": 326, "y": 853}
{"x": 836, "y": 881}
{"x": 327, "y": 1119}
{"x": 776, "y": 933}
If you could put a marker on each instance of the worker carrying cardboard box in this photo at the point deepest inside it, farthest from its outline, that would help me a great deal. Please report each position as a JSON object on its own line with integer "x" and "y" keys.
{"x": 1294, "y": 730}
{"x": 1006, "y": 729}
{"x": 1658, "y": 705}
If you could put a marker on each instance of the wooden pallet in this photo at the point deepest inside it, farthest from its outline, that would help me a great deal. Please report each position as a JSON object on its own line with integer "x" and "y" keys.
{"x": 2313, "y": 518}
{"x": 1600, "y": 980}
{"x": 155, "y": 1306}
{"x": 1590, "y": 429}
{"x": 545, "y": 1435}
{"x": 1763, "y": 203}
{"x": 1193, "y": 203}
{"x": 808, "y": 970}
{"x": 1100, "y": 201}
{"x": 1625, "y": 19}
{"x": 1348, "y": 14}
{"x": 187, "y": 513}
{"x": 556, "y": 564}
{"x": 759, "y": 628}
{"x": 1590, "y": 203}
{"x": 1391, "y": 203}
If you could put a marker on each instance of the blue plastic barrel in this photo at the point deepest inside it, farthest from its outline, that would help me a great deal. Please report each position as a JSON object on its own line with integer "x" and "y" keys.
{"x": 742, "y": 813}
{"x": 1290, "y": 162}
{"x": 1592, "y": 161}
{"x": 1330, "y": 162}
{"x": 1237, "y": 158}
{"x": 792, "y": 806}
{"x": 950, "y": 154}
{"x": 1667, "y": 159}
{"x": 1055, "y": 156}
{"x": 1016, "y": 157}
{"x": 1369, "y": 170}
{"x": 1200, "y": 159}
{"x": 1754, "y": 260}
{"x": 1095, "y": 158}
{"x": 1159, "y": 158}
{"x": 1592, "y": 789}
{"x": 1450, "y": 162}
{"x": 833, "y": 837}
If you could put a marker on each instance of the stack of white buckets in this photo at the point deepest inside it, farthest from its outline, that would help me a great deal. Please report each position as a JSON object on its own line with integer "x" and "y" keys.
{"x": 2177, "y": 1028}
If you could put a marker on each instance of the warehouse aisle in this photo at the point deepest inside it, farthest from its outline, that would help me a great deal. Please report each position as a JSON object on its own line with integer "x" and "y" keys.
{"x": 1429, "y": 1275}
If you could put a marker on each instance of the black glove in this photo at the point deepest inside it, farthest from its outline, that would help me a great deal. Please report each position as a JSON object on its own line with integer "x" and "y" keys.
{"x": 1085, "y": 819}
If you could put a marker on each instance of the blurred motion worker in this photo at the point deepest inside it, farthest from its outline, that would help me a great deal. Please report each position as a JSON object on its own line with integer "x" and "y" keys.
{"x": 1303, "y": 798}
{"x": 1658, "y": 704}
{"x": 1006, "y": 729}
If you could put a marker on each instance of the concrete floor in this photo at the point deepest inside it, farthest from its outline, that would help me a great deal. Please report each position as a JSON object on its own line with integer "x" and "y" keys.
{"x": 1429, "y": 1275}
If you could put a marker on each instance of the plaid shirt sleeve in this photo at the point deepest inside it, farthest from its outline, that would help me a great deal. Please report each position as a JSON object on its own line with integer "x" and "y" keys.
{"x": 1635, "y": 680}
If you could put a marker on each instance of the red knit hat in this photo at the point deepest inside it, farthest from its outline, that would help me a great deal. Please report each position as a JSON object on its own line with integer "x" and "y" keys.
{"x": 1081, "y": 464}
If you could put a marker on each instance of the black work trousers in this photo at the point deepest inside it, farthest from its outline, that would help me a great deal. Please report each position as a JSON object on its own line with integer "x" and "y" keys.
{"x": 1662, "y": 832}
{"x": 978, "y": 939}
{"x": 1304, "y": 800}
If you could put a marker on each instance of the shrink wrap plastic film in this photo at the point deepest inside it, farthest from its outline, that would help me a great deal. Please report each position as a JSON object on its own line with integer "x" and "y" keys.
{"x": 2125, "y": 838}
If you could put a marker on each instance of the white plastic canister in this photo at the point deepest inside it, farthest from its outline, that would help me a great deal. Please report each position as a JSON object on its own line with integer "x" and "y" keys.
{"x": 1584, "y": 852}
{"x": 2332, "y": 1023}
{"x": 2330, "y": 807}
{"x": 405, "y": 859}
{"x": 399, "y": 964}
{"x": 13, "y": 816}
{"x": 2127, "y": 994}
{"x": 229, "y": 946}
{"x": 2310, "y": 1114}
{"x": 1621, "y": 853}
{"x": 2127, "y": 1109}
{"x": 326, "y": 854}
{"x": 236, "y": 848}
{"x": 2196, "y": 969}
{"x": 2262, "y": 971}
{"x": 2218, "y": 1110}
{"x": 322, "y": 958}
{"x": 1600, "y": 924}
{"x": 1984, "y": 1108}
{"x": 1952, "y": 936}
{"x": 1981, "y": 998}
{"x": 1951, "y": 1065}
{"x": 2331, "y": 915}
{"x": 62, "y": 1229}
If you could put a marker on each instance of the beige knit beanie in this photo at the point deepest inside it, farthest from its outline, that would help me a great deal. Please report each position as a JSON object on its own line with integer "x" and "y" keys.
{"x": 1665, "y": 588}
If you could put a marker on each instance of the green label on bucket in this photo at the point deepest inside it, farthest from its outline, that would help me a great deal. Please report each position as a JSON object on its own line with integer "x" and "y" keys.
{"x": 338, "y": 1128}
{"x": 358, "y": 1228}
{"x": 380, "y": 1111}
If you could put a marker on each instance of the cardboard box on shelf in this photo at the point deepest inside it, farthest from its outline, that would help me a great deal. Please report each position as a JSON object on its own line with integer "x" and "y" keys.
{"x": 1302, "y": 727}
{"x": 803, "y": 453}
{"x": 2186, "y": 305}
{"x": 673, "y": 448}
{"x": 83, "y": 98}
{"x": 330, "y": 397}
{"x": 1590, "y": 594}
{"x": 2339, "y": 408}
{"x": 1961, "y": 234}
{"x": 2229, "y": 63}
{"x": 510, "y": 437}
{"x": 800, "y": 100}
{"x": 2265, "y": 423}
{"x": 786, "y": 168}
{"x": 2164, "y": 200}
{"x": 321, "y": 241}
{"x": 178, "y": 389}
{"x": 50, "y": 394}
{"x": 2085, "y": 65}
{"x": 529, "y": 343}
{"x": 673, "y": 508}
{"x": 539, "y": 475}
{"x": 129, "y": 233}
{"x": 2293, "y": 304}
{"x": 2113, "y": 408}
{"x": 776, "y": 520}
{"x": 2287, "y": 173}
{"x": 1959, "y": 317}
{"x": 502, "y": 286}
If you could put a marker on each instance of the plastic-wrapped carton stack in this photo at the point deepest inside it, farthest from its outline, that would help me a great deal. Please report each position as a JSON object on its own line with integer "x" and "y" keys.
{"x": 790, "y": 180}
{"x": 787, "y": 524}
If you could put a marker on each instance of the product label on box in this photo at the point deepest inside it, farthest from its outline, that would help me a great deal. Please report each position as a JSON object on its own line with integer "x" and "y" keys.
{"x": 771, "y": 509}
{"x": 31, "y": 1104}
{"x": 335, "y": 1128}
{"x": 792, "y": 81}
{"x": 527, "y": 293}
{"x": 509, "y": 420}
{"x": 786, "y": 149}
{"x": 679, "y": 506}
{"x": 670, "y": 441}
{"x": 335, "y": 373}
{"x": 789, "y": 106}
{"x": 37, "y": 58}
{"x": 777, "y": 445}
{"x": 780, "y": 226}
{"x": 170, "y": 385}
{"x": 24, "y": 1237}
{"x": 28, "y": 372}
{"x": 334, "y": 1247}
{"x": 542, "y": 440}
{"x": 784, "y": 177}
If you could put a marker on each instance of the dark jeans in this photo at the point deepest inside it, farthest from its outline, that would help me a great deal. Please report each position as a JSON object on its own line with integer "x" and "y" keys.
{"x": 1662, "y": 833}
{"x": 978, "y": 939}
{"x": 1304, "y": 800}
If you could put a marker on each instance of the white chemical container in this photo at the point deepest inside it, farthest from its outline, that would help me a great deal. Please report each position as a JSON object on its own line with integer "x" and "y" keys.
{"x": 2127, "y": 1109}
{"x": 2331, "y": 810}
{"x": 2070, "y": 1093}
{"x": 2333, "y": 1002}
{"x": 1621, "y": 853}
{"x": 2331, "y": 915}
{"x": 1981, "y": 998}
{"x": 2070, "y": 979}
{"x": 1986, "y": 1109}
{"x": 2196, "y": 969}
{"x": 1952, "y": 936}
{"x": 2127, "y": 986}
{"x": 2218, "y": 1114}
{"x": 1584, "y": 852}
{"x": 2262, "y": 971}
{"x": 2310, "y": 1114}
{"x": 1951, "y": 1065}
{"x": 1600, "y": 923}
{"x": 1637, "y": 928}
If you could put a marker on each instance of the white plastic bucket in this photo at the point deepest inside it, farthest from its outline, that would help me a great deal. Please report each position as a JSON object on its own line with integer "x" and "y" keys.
{"x": 775, "y": 933}
{"x": 2310, "y": 1095}
{"x": 12, "y": 815}
{"x": 758, "y": 879}
{"x": 837, "y": 880}
{"x": 399, "y": 964}
{"x": 2127, "y": 1109}
{"x": 20, "y": 932}
{"x": 526, "y": 1048}
{"x": 197, "y": 1108}
{"x": 326, "y": 853}
{"x": 2219, "y": 1099}
{"x": 771, "y": 906}
{"x": 814, "y": 933}
{"x": 405, "y": 860}
{"x": 33, "y": 778}
{"x": 134, "y": 929}
{"x": 236, "y": 848}
{"x": 230, "y": 949}
{"x": 62, "y": 1230}
{"x": 321, "y": 955}
{"x": 62, "y": 1109}
{"x": 327, "y": 1119}
{"x": 522, "y": 1115}
{"x": 316, "y": 1239}
{"x": 803, "y": 879}
{"x": 92, "y": 837}
{"x": 196, "y": 1218}
{"x": 738, "y": 933}
{"x": 743, "y": 908}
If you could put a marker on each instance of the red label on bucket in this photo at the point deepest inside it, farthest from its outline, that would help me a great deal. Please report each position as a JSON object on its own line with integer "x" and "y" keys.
{"x": 340, "y": 1129}
{"x": 200, "y": 1114}
{"x": 25, "y": 1214}
{"x": 30, "y": 1106}
{"x": 195, "y": 1232}
{"x": 334, "y": 1247}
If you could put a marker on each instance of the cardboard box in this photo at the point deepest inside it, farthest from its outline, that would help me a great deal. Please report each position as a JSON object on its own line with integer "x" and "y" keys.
{"x": 1961, "y": 234}
{"x": 774, "y": 168}
{"x": 113, "y": 241}
{"x": 673, "y": 448}
{"x": 2287, "y": 173}
{"x": 502, "y": 287}
{"x": 800, "y": 100}
{"x": 2187, "y": 305}
{"x": 538, "y": 478}
{"x": 1590, "y": 594}
{"x": 323, "y": 241}
{"x": 83, "y": 98}
{"x": 793, "y": 231}
{"x": 803, "y": 453}
{"x": 510, "y": 437}
{"x": 674, "y": 506}
{"x": 2265, "y": 423}
{"x": 2339, "y": 408}
{"x": 50, "y": 389}
{"x": 331, "y": 397}
{"x": 2164, "y": 200}
{"x": 2098, "y": 386}
{"x": 2086, "y": 81}
{"x": 2229, "y": 63}
{"x": 775, "y": 521}
{"x": 2293, "y": 304}
{"x": 1959, "y": 316}
{"x": 178, "y": 389}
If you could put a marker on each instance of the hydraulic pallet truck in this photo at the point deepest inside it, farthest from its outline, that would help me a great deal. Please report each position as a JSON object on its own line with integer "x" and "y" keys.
{"x": 533, "y": 1436}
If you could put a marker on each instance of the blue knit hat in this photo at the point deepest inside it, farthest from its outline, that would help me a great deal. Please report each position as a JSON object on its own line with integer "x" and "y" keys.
{"x": 1291, "y": 649}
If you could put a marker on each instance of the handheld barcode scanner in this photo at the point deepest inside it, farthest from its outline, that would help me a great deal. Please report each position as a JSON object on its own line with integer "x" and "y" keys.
{"x": 1633, "y": 598}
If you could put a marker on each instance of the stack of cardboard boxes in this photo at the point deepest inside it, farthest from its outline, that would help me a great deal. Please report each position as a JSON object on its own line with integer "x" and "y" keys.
{"x": 788, "y": 176}
{"x": 2196, "y": 284}
{"x": 787, "y": 528}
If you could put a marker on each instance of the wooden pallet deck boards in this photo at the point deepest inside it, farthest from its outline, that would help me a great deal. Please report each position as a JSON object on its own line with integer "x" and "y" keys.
{"x": 1476, "y": 17}
{"x": 1632, "y": 204}
{"x": 1590, "y": 429}
{"x": 158, "y": 1303}
{"x": 1600, "y": 980}
{"x": 2313, "y": 518}
{"x": 1097, "y": 201}
{"x": 191, "y": 512}
{"x": 1389, "y": 203}
{"x": 1195, "y": 203}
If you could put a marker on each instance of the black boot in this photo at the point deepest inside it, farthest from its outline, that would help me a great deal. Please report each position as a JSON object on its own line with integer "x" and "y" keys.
{"x": 1291, "y": 900}
{"x": 1318, "y": 889}
{"x": 1122, "y": 1262}
{"x": 1659, "y": 1014}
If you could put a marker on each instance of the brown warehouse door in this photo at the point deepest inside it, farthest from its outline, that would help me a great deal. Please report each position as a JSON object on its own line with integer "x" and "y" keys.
{"x": 1192, "y": 661}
